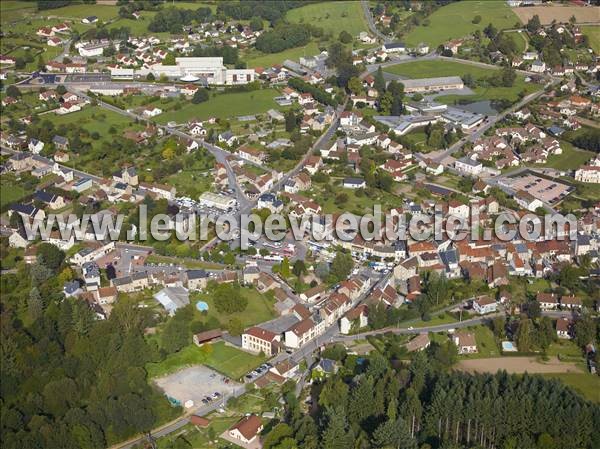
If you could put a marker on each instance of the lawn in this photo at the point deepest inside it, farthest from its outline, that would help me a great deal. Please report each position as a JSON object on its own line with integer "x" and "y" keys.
{"x": 486, "y": 343}
{"x": 565, "y": 350}
{"x": 570, "y": 159}
{"x": 333, "y": 17}
{"x": 437, "y": 320}
{"x": 456, "y": 20}
{"x": 198, "y": 438}
{"x": 520, "y": 39}
{"x": 225, "y": 359}
{"x": 585, "y": 384}
{"x": 10, "y": 191}
{"x": 225, "y": 105}
{"x": 593, "y": 33}
{"x": 432, "y": 69}
{"x": 259, "y": 309}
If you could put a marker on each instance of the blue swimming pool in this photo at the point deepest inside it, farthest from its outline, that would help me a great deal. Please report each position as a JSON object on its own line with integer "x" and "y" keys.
{"x": 202, "y": 306}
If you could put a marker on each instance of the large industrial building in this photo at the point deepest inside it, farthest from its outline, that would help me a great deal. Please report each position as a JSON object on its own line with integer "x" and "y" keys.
{"x": 433, "y": 84}
{"x": 207, "y": 70}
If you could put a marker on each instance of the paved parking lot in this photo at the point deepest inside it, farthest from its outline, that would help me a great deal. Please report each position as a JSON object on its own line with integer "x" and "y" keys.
{"x": 549, "y": 191}
{"x": 195, "y": 383}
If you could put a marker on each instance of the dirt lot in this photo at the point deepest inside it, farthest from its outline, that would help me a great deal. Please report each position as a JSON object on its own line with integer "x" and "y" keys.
{"x": 517, "y": 365}
{"x": 583, "y": 14}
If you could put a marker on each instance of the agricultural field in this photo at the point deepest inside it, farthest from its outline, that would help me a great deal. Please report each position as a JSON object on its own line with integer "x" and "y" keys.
{"x": 224, "y": 106}
{"x": 430, "y": 69}
{"x": 456, "y": 20}
{"x": 222, "y": 358}
{"x": 559, "y": 13}
{"x": 333, "y": 17}
{"x": 585, "y": 384}
{"x": 593, "y": 33}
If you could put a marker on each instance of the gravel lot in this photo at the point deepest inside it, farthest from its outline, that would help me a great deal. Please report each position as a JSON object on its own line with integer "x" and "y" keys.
{"x": 517, "y": 365}
{"x": 194, "y": 383}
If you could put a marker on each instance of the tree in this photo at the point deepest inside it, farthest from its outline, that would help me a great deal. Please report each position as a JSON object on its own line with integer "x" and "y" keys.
{"x": 256, "y": 24}
{"x": 337, "y": 435}
{"x": 299, "y": 268}
{"x": 50, "y": 256}
{"x": 284, "y": 270}
{"x": 355, "y": 85}
{"x": 176, "y": 334}
{"x": 476, "y": 19}
{"x": 585, "y": 330}
{"x": 394, "y": 434}
{"x": 13, "y": 91}
{"x": 290, "y": 121}
{"x": 342, "y": 265}
{"x": 235, "y": 326}
{"x": 227, "y": 298}
{"x": 150, "y": 77}
{"x": 534, "y": 24}
{"x": 345, "y": 37}
{"x": 379, "y": 82}
{"x": 61, "y": 89}
{"x": 200, "y": 96}
{"x": 524, "y": 335}
{"x": 508, "y": 75}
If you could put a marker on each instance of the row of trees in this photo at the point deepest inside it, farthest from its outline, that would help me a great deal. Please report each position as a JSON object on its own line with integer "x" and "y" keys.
{"x": 371, "y": 405}
{"x": 283, "y": 37}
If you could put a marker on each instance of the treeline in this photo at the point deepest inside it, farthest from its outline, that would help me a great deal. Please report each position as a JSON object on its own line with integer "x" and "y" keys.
{"x": 318, "y": 94}
{"x": 69, "y": 380}
{"x": 283, "y": 37}
{"x": 371, "y": 405}
{"x": 230, "y": 55}
{"x": 588, "y": 140}
{"x": 172, "y": 19}
{"x": 268, "y": 10}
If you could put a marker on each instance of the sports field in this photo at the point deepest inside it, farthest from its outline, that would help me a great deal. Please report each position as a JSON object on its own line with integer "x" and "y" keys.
{"x": 332, "y": 17}
{"x": 456, "y": 20}
{"x": 224, "y": 106}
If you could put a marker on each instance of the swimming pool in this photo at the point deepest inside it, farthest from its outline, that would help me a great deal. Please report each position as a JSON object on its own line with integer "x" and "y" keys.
{"x": 202, "y": 306}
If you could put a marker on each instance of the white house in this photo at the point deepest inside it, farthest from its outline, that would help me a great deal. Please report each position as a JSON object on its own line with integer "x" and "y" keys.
{"x": 246, "y": 430}
{"x": 357, "y": 317}
{"x": 354, "y": 183}
{"x": 484, "y": 305}
{"x": 468, "y": 166}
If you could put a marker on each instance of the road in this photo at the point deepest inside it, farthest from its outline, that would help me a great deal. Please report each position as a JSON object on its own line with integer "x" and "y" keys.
{"x": 491, "y": 121}
{"x": 371, "y": 22}
{"x": 37, "y": 157}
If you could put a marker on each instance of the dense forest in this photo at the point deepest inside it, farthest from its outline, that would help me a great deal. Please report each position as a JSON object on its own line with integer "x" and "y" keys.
{"x": 420, "y": 405}
{"x": 69, "y": 380}
{"x": 283, "y": 37}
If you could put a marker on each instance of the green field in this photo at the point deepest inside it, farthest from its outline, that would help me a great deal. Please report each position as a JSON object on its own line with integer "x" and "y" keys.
{"x": 431, "y": 69}
{"x": 333, "y": 17}
{"x": 455, "y": 21}
{"x": 520, "y": 39}
{"x": 259, "y": 309}
{"x": 585, "y": 384}
{"x": 10, "y": 191}
{"x": 570, "y": 159}
{"x": 225, "y": 359}
{"x": 254, "y": 58}
{"x": 224, "y": 106}
{"x": 593, "y": 33}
